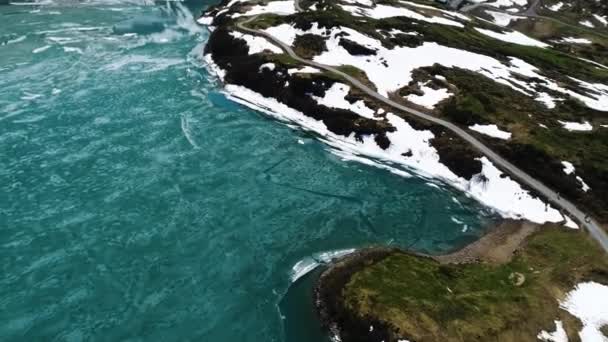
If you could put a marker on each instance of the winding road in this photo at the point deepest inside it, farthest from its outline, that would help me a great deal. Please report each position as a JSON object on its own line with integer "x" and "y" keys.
{"x": 590, "y": 224}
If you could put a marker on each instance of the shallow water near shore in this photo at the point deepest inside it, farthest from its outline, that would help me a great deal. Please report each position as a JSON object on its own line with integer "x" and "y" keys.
{"x": 139, "y": 204}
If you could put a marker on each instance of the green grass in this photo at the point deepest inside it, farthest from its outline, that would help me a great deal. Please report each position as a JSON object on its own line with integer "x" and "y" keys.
{"x": 265, "y": 21}
{"x": 428, "y": 301}
{"x": 284, "y": 59}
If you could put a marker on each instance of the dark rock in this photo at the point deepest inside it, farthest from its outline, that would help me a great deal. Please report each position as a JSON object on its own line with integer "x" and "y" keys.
{"x": 355, "y": 49}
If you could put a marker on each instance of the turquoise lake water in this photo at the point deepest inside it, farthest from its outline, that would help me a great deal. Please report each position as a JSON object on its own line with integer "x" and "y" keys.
{"x": 139, "y": 204}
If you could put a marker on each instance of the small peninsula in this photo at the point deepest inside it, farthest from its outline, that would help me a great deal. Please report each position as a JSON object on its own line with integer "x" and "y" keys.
{"x": 515, "y": 284}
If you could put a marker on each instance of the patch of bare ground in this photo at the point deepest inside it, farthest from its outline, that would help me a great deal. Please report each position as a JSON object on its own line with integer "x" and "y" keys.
{"x": 604, "y": 330}
{"x": 497, "y": 246}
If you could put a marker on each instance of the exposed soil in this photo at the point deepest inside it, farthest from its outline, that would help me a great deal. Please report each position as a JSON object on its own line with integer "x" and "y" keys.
{"x": 498, "y": 246}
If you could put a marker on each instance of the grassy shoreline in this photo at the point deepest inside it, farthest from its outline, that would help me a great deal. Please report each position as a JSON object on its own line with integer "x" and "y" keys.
{"x": 390, "y": 294}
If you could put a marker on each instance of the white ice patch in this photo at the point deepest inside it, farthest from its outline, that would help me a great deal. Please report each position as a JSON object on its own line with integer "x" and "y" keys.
{"x": 335, "y": 98}
{"x": 430, "y": 97}
{"x": 256, "y": 44}
{"x": 514, "y": 37}
{"x": 492, "y": 131}
{"x": 501, "y": 193}
{"x": 559, "y": 335}
{"x": 587, "y": 23}
{"x": 589, "y": 303}
{"x": 576, "y": 126}
{"x": 502, "y": 19}
{"x": 385, "y": 11}
{"x": 276, "y": 7}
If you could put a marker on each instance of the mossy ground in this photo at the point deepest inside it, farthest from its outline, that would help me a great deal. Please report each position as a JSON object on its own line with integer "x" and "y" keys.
{"x": 423, "y": 300}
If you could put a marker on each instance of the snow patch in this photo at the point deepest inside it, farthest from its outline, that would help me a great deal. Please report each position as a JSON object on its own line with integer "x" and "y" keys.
{"x": 574, "y": 40}
{"x": 559, "y": 335}
{"x": 570, "y": 224}
{"x": 514, "y": 37}
{"x": 304, "y": 70}
{"x": 276, "y": 7}
{"x": 391, "y": 69}
{"x": 601, "y": 18}
{"x": 492, "y": 131}
{"x": 504, "y": 3}
{"x": 556, "y": 7}
{"x": 546, "y": 99}
{"x": 335, "y": 98}
{"x": 568, "y": 167}
{"x": 588, "y": 301}
{"x": 256, "y": 44}
{"x": 205, "y": 21}
{"x": 502, "y": 19}
{"x": 576, "y": 126}
{"x": 385, "y": 11}
{"x": 507, "y": 196}
{"x": 269, "y": 66}
{"x": 430, "y": 97}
